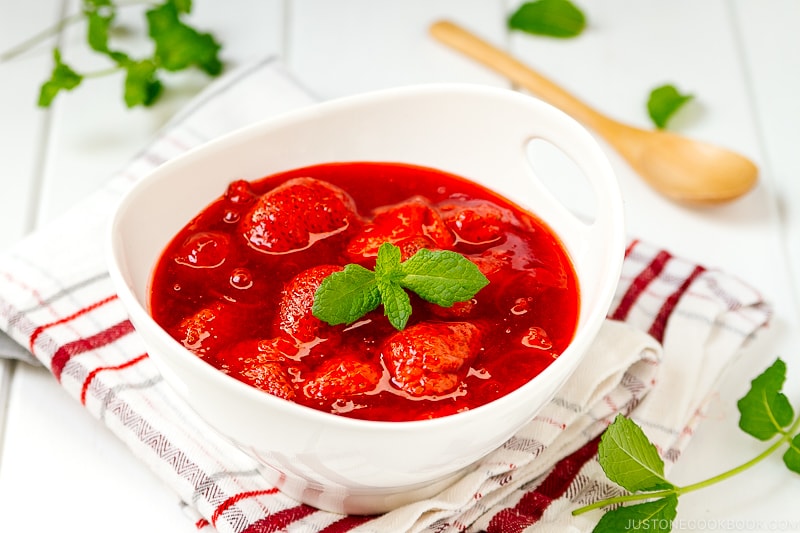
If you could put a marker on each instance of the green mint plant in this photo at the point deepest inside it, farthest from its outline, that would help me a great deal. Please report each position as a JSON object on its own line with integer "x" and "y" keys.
{"x": 441, "y": 277}
{"x": 176, "y": 46}
{"x": 630, "y": 460}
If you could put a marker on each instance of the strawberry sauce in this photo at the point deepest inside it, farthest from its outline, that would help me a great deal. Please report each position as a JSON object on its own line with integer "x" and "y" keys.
{"x": 236, "y": 285}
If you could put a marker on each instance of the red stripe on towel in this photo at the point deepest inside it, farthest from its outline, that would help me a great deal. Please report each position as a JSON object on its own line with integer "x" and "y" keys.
{"x": 38, "y": 331}
{"x": 533, "y": 504}
{"x": 97, "y": 370}
{"x": 639, "y": 284}
{"x": 278, "y": 521}
{"x": 660, "y": 323}
{"x": 630, "y": 247}
{"x": 67, "y": 351}
{"x": 237, "y": 498}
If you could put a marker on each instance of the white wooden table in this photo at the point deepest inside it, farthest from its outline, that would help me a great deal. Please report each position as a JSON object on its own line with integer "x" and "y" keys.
{"x": 740, "y": 58}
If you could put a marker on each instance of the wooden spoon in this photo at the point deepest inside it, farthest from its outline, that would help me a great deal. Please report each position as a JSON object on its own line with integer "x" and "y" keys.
{"x": 682, "y": 169}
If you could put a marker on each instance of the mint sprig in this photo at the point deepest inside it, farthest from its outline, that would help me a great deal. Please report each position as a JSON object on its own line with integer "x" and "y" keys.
{"x": 176, "y": 46}
{"x": 441, "y": 277}
{"x": 629, "y": 459}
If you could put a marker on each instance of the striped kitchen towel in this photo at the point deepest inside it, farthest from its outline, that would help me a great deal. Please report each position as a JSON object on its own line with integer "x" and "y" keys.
{"x": 673, "y": 327}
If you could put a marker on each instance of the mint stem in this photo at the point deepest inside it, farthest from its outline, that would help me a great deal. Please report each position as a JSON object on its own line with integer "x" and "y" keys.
{"x": 100, "y": 73}
{"x": 786, "y": 437}
{"x": 625, "y": 498}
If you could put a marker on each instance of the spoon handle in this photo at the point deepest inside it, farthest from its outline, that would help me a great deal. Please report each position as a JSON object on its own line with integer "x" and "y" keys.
{"x": 677, "y": 167}
{"x": 500, "y": 61}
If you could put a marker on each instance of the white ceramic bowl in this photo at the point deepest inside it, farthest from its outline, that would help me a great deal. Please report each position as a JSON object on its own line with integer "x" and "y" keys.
{"x": 480, "y": 133}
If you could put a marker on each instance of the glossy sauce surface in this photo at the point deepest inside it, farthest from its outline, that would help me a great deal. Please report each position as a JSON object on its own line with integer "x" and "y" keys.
{"x": 236, "y": 284}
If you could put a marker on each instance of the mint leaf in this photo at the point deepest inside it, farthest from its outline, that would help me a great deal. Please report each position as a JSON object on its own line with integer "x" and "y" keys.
{"x": 656, "y": 516}
{"x": 442, "y": 277}
{"x": 63, "y": 78}
{"x": 387, "y": 264}
{"x": 792, "y": 456}
{"x": 629, "y": 459}
{"x": 179, "y": 46}
{"x": 142, "y": 87}
{"x": 664, "y": 102}
{"x": 765, "y": 410}
{"x": 98, "y": 26}
{"x": 345, "y": 296}
{"x": 551, "y": 18}
{"x": 396, "y": 304}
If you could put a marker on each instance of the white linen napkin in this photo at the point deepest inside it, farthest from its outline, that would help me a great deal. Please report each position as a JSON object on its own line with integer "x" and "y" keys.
{"x": 56, "y": 300}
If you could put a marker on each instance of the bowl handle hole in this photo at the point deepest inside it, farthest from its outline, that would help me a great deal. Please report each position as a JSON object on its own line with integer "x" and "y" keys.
{"x": 562, "y": 177}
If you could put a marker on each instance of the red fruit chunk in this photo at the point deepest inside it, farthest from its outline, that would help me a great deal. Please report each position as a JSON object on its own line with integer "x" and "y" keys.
{"x": 240, "y": 192}
{"x": 270, "y": 377}
{"x": 492, "y": 262}
{"x": 411, "y": 225}
{"x": 412, "y": 245}
{"x": 261, "y": 364}
{"x": 294, "y": 315}
{"x": 431, "y": 358}
{"x": 296, "y": 214}
{"x": 206, "y": 330}
{"x": 520, "y": 292}
{"x": 457, "y": 310}
{"x": 476, "y": 222}
{"x": 204, "y": 249}
{"x": 342, "y": 377}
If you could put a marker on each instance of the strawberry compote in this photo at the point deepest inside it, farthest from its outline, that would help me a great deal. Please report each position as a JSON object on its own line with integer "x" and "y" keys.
{"x": 236, "y": 286}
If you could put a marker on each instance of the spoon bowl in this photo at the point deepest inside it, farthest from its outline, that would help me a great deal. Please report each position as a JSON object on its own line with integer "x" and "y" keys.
{"x": 680, "y": 168}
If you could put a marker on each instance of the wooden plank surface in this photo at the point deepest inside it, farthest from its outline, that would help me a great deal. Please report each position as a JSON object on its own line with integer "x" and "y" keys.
{"x": 741, "y": 59}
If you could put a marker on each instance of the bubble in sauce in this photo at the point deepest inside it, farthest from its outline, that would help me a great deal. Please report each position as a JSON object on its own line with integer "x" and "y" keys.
{"x": 231, "y": 217}
{"x": 241, "y": 278}
{"x": 204, "y": 249}
{"x": 521, "y": 306}
{"x": 537, "y": 337}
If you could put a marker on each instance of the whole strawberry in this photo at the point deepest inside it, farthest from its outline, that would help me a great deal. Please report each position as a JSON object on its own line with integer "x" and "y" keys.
{"x": 431, "y": 358}
{"x": 205, "y": 331}
{"x": 342, "y": 377}
{"x": 296, "y": 214}
{"x": 261, "y": 363}
{"x": 297, "y": 299}
{"x": 411, "y": 225}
